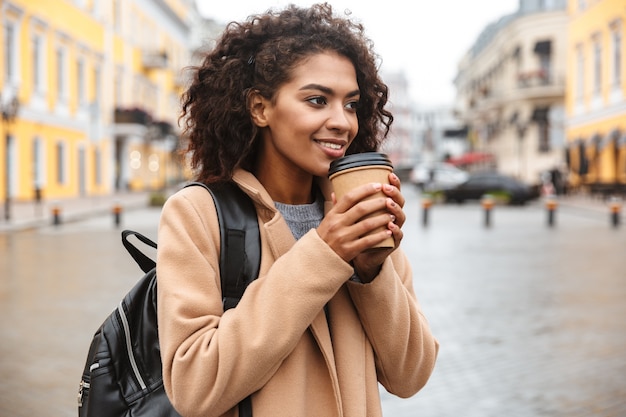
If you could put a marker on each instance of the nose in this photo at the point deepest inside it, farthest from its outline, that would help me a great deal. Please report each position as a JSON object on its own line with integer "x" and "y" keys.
{"x": 340, "y": 119}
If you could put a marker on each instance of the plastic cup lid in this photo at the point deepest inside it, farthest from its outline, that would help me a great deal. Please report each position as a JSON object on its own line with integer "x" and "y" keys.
{"x": 359, "y": 160}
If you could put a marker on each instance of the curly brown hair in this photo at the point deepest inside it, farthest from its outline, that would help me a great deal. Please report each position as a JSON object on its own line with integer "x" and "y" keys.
{"x": 260, "y": 54}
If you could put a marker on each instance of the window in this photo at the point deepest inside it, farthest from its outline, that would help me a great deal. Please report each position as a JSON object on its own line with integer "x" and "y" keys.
{"x": 60, "y": 158}
{"x": 38, "y": 163}
{"x": 582, "y": 5}
{"x": 580, "y": 72}
{"x": 597, "y": 65}
{"x": 117, "y": 15}
{"x": 543, "y": 49}
{"x": 616, "y": 53}
{"x": 544, "y": 65}
{"x": 541, "y": 115}
{"x": 96, "y": 85}
{"x": 80, "y": 81}
{"x": 38, "y": 63}
{"x": 97, "y": 166}
{"x": 61, "y": 75}
{"x": 544, "y": 136}
{"x": 10, "y": 52}
{"x": 117, "y": 88}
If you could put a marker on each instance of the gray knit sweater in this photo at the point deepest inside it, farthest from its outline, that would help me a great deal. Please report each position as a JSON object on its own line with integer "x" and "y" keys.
{"x": 304, "y": 217}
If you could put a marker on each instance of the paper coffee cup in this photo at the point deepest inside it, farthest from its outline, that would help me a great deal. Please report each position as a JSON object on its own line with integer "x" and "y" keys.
{"x": 354, "y": 170}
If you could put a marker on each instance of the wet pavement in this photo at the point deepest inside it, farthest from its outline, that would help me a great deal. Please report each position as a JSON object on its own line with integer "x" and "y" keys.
{"x": 531, "y": 318}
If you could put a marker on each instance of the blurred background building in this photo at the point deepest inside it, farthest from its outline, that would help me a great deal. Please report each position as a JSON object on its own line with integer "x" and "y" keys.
{"x": 511, "y": 90}
{"x": 90, "y": 97}
{"x": 542, "y": 90}
{"x": 595, "y": 99}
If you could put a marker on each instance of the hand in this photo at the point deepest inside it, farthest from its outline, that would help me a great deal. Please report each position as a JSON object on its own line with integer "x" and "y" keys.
{"x": 367, "y": 265}
{"x": 346, "y": 229}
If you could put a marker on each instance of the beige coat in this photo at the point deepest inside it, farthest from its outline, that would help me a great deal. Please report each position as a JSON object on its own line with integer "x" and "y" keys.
{"x": 278, "y": 343}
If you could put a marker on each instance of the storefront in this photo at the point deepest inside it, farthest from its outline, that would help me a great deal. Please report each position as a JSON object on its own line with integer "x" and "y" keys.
{"x": 598, "y": 163}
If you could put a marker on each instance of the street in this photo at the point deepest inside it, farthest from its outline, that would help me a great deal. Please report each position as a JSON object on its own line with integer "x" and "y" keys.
{"x": 531, "y": 318}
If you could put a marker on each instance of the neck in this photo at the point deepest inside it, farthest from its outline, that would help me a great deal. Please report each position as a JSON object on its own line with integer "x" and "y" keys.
{"x": 286, "y": 188}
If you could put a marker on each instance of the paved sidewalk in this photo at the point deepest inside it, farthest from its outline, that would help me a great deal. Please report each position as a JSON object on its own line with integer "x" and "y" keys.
{"x": 30, "y": 215}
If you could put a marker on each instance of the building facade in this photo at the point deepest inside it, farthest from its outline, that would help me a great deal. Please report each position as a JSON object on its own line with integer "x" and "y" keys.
{"x": 400, "y": 138}
{"x": 511, "y": 90}
{"x": 596, "y": 95}
{"x": 90, "y": 95}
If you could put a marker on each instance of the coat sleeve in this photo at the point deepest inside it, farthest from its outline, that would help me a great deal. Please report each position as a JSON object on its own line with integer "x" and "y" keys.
{"x": 404, "y": 347}
{"x": 211, "y": 359}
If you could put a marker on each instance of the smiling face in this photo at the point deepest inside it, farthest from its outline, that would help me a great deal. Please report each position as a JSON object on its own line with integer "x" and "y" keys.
{"x": 310, "y": 122}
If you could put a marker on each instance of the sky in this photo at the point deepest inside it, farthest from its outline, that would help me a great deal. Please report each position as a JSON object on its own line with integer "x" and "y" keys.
{"x": 423, "y": 39}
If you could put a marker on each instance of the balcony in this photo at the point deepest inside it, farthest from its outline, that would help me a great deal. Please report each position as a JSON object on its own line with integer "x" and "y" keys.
{"x": 131, "y": 122}
{"x": 132, "y": 116}
{"x": 539, "y": 83}
{"x": 533, "y": 78}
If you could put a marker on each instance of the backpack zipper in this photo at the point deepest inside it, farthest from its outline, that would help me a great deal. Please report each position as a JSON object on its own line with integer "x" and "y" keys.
{"x": 129, "y": 346}
{"x": 83, "y": 386}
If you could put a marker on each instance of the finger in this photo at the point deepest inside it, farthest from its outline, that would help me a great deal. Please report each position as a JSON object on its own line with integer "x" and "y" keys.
{"x": 357, "y": 194}
{"x": 394, "y": 192}
{"x": 394, "y": 180}
{"x": 396, "y": 210}
{"x": 397, "y": 233}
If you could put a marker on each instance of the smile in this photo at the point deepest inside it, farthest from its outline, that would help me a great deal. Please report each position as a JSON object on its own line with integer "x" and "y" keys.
{"x": 329, "y": 145}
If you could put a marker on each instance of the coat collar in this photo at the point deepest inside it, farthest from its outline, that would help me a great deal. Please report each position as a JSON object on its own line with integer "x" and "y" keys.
{"x": 251, "y": 185}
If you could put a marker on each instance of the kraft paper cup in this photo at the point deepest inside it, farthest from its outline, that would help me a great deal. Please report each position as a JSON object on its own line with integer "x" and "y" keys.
{"x": 354, "y": 170}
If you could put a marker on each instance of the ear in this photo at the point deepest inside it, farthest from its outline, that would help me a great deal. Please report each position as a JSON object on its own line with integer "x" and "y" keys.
{"x": 258, "y": 108}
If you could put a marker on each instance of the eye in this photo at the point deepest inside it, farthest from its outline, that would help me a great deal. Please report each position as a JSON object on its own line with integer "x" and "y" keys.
{"x": 352, "y": 105}
{"x": 317, "y": 100}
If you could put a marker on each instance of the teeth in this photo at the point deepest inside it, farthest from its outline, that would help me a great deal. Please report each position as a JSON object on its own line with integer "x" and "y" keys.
{"x": 330, "y": 145}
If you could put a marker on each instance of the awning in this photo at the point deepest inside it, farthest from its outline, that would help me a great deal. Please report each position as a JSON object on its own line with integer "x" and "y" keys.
{"x": 613, "y": 136}
{"x": 583, "y": 162}
{"x": 471, "y": 158}
{"x": 594, "y": 141}
{"x": 543, "y": 47}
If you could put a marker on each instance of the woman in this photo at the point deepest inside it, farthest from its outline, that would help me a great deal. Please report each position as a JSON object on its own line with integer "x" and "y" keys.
{"x": 281, "y": 96}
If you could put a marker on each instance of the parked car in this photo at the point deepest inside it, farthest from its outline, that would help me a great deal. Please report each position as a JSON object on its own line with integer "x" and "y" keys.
{"x": 437, "y": 176}
{"x": 501, "y": 187}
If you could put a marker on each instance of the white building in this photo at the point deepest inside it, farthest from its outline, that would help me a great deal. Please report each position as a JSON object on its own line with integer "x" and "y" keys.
{"x": 511, "y": 89}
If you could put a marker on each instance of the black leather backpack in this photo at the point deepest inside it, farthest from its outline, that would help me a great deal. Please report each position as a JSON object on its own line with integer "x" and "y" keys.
{"x": 122, "y": 374}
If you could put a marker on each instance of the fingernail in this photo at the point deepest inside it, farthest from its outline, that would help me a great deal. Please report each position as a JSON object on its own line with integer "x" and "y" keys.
{"x": 377, "y": 186}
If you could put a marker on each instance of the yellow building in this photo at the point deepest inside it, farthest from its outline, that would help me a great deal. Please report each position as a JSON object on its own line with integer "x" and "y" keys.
{"x": 90, "y": 95}
{"x": 596, "y": 95}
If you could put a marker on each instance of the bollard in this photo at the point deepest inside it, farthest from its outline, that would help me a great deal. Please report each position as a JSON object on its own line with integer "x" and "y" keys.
{"x": 615, "y": 206}
{"x": 551, "y": 205}
{"x": 487, "y": 202}
{"x": 56, "y": 214}
{"x": 117, "y": 214}
{"x": 426, "y": 205}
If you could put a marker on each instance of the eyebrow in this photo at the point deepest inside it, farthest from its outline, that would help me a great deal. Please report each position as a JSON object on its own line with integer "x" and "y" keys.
{"x": 327, "y": 90}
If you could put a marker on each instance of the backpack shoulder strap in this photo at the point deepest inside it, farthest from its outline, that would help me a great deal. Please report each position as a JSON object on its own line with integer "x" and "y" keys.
{"x": 145, "y": 262}
{"x": 240, "y": 252}
{"x": 240, "y": 241}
